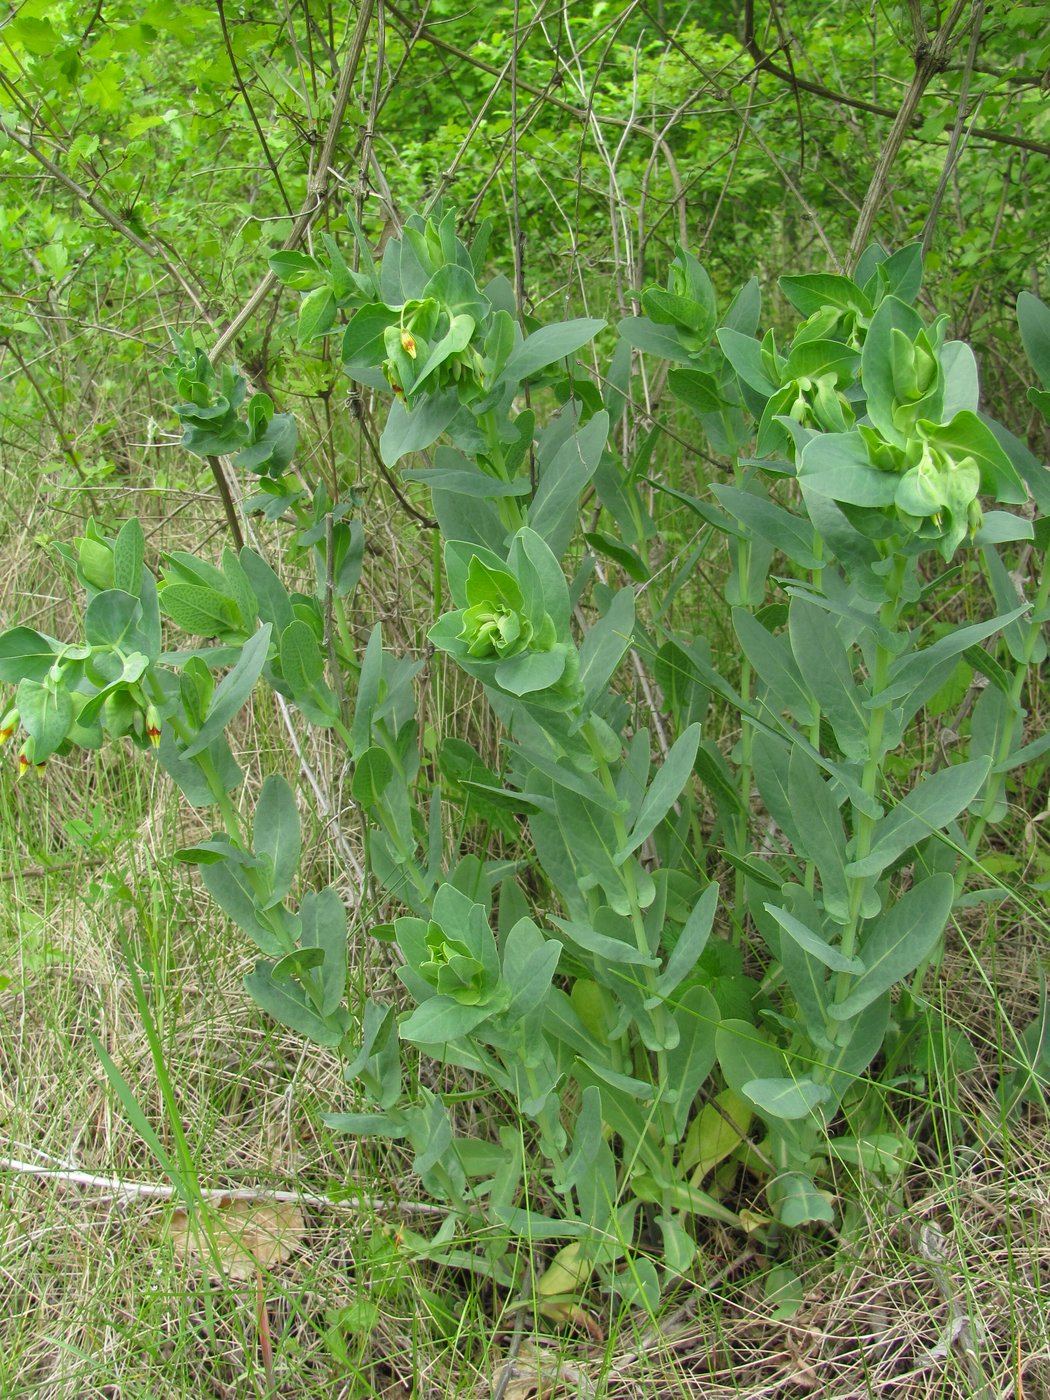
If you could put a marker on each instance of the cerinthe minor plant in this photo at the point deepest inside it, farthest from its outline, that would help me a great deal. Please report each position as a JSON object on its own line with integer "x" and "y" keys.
{"x": 685, "y": 965}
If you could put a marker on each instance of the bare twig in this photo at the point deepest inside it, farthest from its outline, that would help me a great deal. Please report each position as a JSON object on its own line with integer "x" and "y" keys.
{"x": 159, "y": 1191}
{"x": 756, "y": 136}
{"x": 580, "y": 113}
{"x": 955, "y": 142}
{"x": 930, "y": 58}
{"x": 316, "y": 199}
{"x": 226, "y": 495}
{"x": 104, "y": 212}
{"x": 42, "y": 872}
{"x": 318, "y": 188}
{"x": 52, "y": 416}
{"x": 764, "y": 62}
{"x": 220, "y": 5}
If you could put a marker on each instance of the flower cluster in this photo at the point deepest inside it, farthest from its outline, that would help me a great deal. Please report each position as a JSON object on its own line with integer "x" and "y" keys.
{"x": 56, "y": 718}
{"x": 446, "y": 335}
{"x": 78, "y": 695}
{"x": 452, "y": 968}
{"x": 511, "y": 626}
{"x": 429, "y": 347}
{"x": 865, "y": 392}
{"x": 452, "y": 955}
{"x": 813, "y": 380}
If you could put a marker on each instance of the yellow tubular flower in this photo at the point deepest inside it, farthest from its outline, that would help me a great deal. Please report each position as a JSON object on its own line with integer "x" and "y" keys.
{"x": 153, "y": 726}
{"x": 8, "y": 725}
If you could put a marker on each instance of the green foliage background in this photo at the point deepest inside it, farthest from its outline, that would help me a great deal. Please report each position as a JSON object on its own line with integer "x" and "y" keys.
{"x": 599, "y": 134}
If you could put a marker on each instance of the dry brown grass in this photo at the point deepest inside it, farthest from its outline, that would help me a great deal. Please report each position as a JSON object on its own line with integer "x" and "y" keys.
{"x": 943, "y": 1296}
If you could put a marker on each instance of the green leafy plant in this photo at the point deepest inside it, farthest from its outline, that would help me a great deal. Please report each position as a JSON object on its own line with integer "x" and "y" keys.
{"x": 683, "y": 969}
{"x": 886, "y": 453}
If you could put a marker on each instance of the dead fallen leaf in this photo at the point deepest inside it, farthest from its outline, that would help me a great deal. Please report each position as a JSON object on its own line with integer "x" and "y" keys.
{"x": 537, "y": 1373}
{"x": 521, "y": 1389}
{"x": 248, "y": 1235}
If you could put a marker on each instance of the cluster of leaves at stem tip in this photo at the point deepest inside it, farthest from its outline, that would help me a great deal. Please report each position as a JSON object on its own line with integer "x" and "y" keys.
{"x": 685, "y": 961}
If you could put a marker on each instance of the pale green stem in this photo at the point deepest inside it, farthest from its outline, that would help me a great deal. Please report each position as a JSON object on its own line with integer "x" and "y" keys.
{"x": 342, "y": 626}
{"x": 435, "y": 574}
{"x": 231, "y": 818}
{"x": 817, "y": 580}
{"x": 549, "y": 1122}
{"x": 407, "y": 857}
{"x": 871, "y": 780}
{"x": 743, "y": 567}
{"x": 997, "y": 781}
{"x": 509, "y": 511}
{"x": 658, "y": 1012}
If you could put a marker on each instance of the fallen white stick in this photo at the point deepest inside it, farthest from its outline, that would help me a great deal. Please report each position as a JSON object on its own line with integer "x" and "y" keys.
{"x": 157, "y": 1191}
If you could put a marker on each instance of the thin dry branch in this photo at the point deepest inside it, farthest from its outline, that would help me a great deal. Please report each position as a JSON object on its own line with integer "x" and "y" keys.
{"x": 955, "y": 143}
{"x": 765, "y": 64}
{"x": 931, "y": 56}
{"x": 422, "y": 32}
{"x": 220, "y": 5}
{"x": 152, "y": 250}
{"x": 319, "y": 184}
{"x": 160, "y": 1191}
{"x": 724, "y": 96}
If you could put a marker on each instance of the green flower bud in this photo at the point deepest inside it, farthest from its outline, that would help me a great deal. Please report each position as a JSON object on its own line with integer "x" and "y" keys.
{"x": 920, "y": 492}
{"x": 821, "y": 325}
{"x": 96, "y": 563}
{"x": 925, "y": 367}
{"x": 434, "y": 249}
{"x": 831, "y": 410}
{"x": 452, "y": 968}
{"x": 492, "y": 629}
{"x": 494, "y": 621}
{"x": 913, "y": 366}
{"x": 772, "y": 361}
{"x": 799, "y": 410}
{"x": 881, "y": 453}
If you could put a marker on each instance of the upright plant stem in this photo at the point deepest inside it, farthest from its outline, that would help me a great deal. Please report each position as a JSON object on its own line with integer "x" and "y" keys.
{"x": 658, "y": 1012}
{"x": 996, "y": 779}
{"x": 231, "y": 818}
{"x": 871, "y": 779}
{"x": 509, "y": 511}
{"x": 743, "y": 570}
{"x": 226, "y": 496}
{"x": 817, "y": 579}
{"x": 67, "y": 447}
